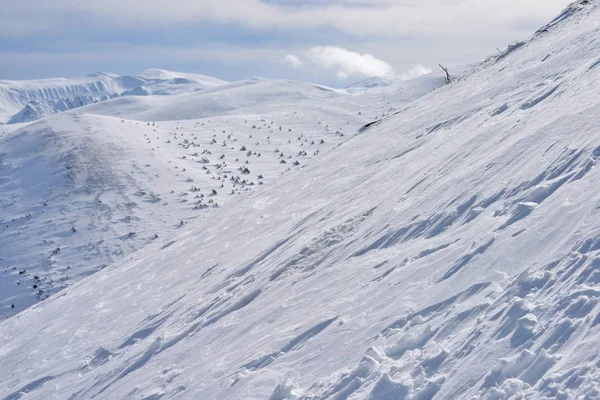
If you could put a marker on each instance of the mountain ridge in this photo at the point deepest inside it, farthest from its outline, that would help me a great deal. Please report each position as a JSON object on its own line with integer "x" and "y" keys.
{"x": 33, "y": 99}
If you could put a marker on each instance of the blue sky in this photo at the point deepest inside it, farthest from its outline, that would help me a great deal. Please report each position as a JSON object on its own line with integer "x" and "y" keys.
{"x": 328, "y": 41}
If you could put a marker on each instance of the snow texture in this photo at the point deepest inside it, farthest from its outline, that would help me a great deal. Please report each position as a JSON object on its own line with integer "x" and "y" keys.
{"x": 83, "y": 189}
{"x": 450, "y": 250}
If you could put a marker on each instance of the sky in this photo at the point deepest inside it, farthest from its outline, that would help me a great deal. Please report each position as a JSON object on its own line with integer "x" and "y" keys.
{"x": 334, "y": 42}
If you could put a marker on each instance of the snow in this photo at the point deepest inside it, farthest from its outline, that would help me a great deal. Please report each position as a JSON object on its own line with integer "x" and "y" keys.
{"x": 371, "y": 83}
{"x": 83, "y": 189}
{"x": 25, "y": 101}
{"x": 447, "y": 251}
{"x": 376, "y": 84}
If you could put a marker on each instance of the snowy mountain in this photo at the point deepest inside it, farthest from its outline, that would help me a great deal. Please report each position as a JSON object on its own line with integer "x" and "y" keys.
{"x": 448, "y": 251}
{"x": 252, "y": 96}
{"x": 25, "y": 101}
{"x": 83, "y": 189}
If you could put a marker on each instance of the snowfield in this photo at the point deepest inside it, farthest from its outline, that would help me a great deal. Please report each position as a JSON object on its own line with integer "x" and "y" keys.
{"x": 449, "y": 250}
{"x": 83, "y": 189}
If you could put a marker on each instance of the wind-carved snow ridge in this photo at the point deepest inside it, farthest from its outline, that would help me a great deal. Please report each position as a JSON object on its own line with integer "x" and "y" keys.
{"x": 449, "y": 251}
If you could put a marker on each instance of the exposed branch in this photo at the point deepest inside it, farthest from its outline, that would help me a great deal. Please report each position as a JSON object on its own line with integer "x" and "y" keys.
{"x": 448, "y": 77}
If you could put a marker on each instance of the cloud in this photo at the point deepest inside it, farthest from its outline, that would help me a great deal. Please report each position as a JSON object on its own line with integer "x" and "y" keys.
{"x": 391, "y": 18}
{"x": 294, "y": 61}
{"x": 347, "y": 64}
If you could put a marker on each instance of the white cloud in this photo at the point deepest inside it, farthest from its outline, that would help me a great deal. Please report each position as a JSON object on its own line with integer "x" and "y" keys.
{"x": 294, "y": 61}
{"x": 347, "y": 63}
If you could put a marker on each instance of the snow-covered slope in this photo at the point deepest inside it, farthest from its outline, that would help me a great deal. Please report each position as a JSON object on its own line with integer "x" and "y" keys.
{"x": 37, "y": 109}
{"x": 81, "y": 191}
{"x": 449, "y": 251}
{"x": 25, "y": 101}
{"x": 251, "y": 96}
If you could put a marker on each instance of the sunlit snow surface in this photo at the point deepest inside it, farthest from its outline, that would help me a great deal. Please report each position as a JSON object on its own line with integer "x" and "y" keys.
{"x": 83, "y": 189}
{"x": 449, "y": 251}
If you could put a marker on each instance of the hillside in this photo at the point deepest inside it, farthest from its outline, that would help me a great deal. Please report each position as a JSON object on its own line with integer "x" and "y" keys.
{"x": 83, "y": 189}
{"x": 448, "y": 251}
